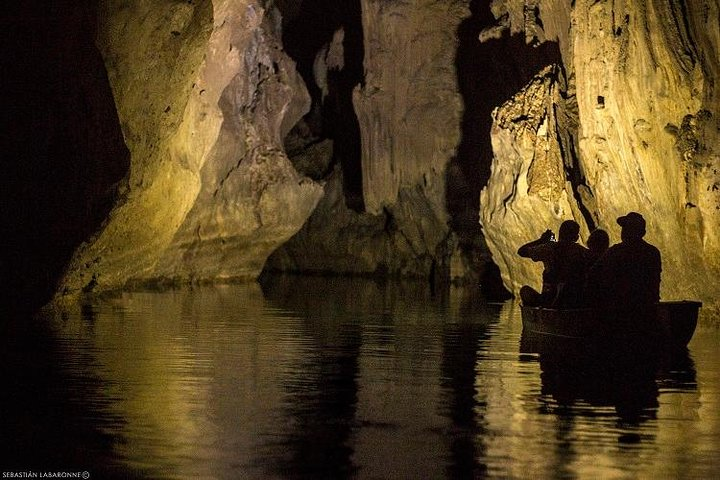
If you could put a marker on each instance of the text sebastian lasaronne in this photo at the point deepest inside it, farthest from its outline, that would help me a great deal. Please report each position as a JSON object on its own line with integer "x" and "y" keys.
{"x": 44, "y": 475}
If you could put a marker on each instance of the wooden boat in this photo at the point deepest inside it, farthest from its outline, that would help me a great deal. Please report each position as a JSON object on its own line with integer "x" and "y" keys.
{"x": 675, "y": 326}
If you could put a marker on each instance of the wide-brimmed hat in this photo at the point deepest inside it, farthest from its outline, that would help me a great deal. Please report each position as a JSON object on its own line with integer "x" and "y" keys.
{"x": 632, "y": 220}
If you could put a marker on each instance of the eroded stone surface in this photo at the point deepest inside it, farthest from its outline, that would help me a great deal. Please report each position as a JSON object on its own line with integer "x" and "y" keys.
{"x": 204, "y": 97}
{"x": 409, "y": 111}
{"x": 407, "y": 239}
{"x": 647, "y": 140}
{"x": 409, "y": 108}
{"x": 627, "y": 119}
{"x": 528, "y": 190}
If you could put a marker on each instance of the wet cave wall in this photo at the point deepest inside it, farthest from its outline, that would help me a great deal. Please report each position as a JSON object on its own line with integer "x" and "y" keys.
{"x": 531, "y": 113}
{"x": 208, "y": 140}
{"x": 423, "y": 105}
{"x": 205, "y": 95}
{"x": 147, "y": 146}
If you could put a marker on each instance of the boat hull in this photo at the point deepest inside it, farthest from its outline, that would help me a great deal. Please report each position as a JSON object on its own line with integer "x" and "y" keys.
{"x": 672, "y": 323}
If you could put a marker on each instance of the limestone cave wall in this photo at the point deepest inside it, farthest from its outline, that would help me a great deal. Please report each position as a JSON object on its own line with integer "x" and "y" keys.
{"x": 192, "y": 140}
{"x": 205, "y": 95}
{"x": 584, "y": 112}
{"x": 628, "y": 121}
{"x": 408, "y": 109}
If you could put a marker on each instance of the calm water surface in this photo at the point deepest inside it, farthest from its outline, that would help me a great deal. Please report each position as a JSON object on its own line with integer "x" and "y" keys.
{"x": 323, "y": 378}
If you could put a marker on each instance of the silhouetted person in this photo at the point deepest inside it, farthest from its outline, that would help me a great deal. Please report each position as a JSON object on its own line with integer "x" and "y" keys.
{"x": 598, "y": 242}
{"x": 565, "y": 264}
{"x": 626, "y": 279}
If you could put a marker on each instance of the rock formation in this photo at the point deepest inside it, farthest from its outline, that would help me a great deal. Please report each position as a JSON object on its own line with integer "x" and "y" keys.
{"x": 205, "y": 95}
{"x": 529, "y": 190}
{"x": 408, "y": 109}
{"x": 406, "y": 240}
{"x": 585, "y": 111}
{"x": 641, "y": 133}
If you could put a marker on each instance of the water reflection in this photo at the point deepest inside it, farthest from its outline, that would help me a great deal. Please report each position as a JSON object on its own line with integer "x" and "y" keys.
{"x": 43, "y": 423}
{"x": 629, "y": 388}
{"x": 461, "y": 344}
{"x": 320, "y": 393}
{"x": 624, "y": 374}
{"x": 619, "y": 383}
{"x": 328, "y": 378}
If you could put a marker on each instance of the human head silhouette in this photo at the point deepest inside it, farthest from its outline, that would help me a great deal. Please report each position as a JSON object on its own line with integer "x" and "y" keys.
{"x": 569, "y": 231}
{"x": 633, "y": 226}
{"x": 598, "y": 241}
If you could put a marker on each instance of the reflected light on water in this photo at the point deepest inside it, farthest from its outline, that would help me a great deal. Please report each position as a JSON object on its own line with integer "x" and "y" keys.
{"x": 328, "y": 378}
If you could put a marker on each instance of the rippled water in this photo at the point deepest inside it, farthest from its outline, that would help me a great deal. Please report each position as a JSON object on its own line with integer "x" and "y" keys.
{"x": 323, "y": 378}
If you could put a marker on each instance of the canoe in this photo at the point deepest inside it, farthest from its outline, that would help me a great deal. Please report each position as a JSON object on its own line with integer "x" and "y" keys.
{"x": 676, "y": 323}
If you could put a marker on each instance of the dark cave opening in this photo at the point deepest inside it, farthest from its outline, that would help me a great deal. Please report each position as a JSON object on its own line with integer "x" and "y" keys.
{"x": 307, "y": 29}
{"x": 61, "y": 137}
{"x": 488, "y": 73}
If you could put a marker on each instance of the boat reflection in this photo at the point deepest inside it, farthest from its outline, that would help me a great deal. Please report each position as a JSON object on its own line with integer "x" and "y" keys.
{"x": 623, "y": 372}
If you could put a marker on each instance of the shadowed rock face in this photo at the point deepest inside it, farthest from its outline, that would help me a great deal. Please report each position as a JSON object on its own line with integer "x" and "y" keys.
{"x": 404, "y": 240}
{"x": 205, "y": 96}
{"x": 408, "y": 109}
{"x": 640, "y": 133}
{"x": 325, "y": 38}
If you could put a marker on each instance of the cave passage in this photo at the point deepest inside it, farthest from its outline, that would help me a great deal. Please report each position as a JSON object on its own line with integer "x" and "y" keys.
{"x": 62, "y": 141}
{"x": 307, "y": 29}
{"x": 488, "y": 75}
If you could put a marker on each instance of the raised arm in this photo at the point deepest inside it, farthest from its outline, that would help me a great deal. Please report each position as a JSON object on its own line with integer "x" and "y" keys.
{"x": 528, "y": 250}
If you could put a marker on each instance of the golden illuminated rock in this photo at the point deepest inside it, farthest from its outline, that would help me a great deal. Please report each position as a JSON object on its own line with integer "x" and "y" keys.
{"x": 643, "y": 77}
{"x": 409, "y": 111}
{"x": 409, "y": 107}
{"x": 528, "y": 191}
{"x": 603, "y": 108}
{"x": 204, "y": 96}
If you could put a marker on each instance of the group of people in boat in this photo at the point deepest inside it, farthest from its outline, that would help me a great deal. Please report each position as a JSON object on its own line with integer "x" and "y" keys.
{"x": 623, "y": 276}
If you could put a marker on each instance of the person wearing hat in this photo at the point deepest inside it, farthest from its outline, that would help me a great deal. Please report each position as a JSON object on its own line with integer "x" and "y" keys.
{"x": 565, "y": 263}
{"x": 627, "y": 276}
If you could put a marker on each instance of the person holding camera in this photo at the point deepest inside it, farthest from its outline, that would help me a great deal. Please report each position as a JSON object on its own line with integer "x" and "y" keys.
{"x": 565, "y": 263}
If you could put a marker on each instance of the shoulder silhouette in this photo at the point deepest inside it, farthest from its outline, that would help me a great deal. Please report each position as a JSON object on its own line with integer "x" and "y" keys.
{"x": 564, "y": 267}
{"x": 627, "y": 276}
